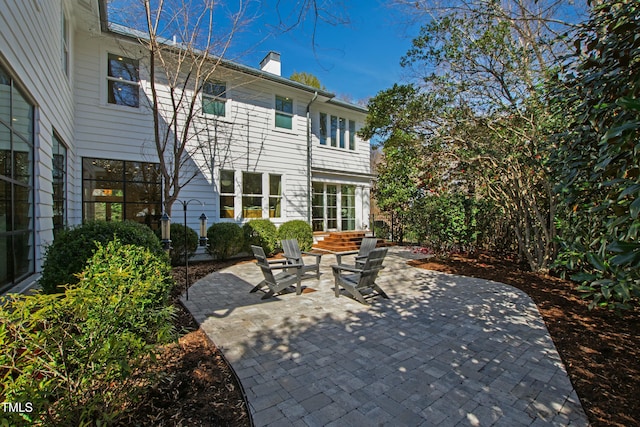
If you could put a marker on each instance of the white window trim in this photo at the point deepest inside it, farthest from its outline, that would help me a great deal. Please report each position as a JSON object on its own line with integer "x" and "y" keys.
{"x": 226, "y": 100}
{"x": 347, "y": 133}
{"x": 105, "y": 70}
{"x": 292, "y": 114}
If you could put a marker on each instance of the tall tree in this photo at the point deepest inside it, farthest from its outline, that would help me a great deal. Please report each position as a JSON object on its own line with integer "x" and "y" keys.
{"x": 477, "y": 108}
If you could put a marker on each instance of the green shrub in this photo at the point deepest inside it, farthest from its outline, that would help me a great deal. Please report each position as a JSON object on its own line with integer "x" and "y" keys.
{"x": 261, "y": 232}
{"x": 225, "y": 239}
{"x": 71, "y": 249}
{"x": 176, "y": 255}
{"x": 299, "y": 230}
{"x": 70, "y": 354}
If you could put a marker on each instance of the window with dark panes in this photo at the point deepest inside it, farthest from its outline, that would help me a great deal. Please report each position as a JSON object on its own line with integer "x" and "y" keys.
{"x": 227, "y": 194}
{"x": 116, "y": 190}
{"x": 59, "y": 184}
{"x": 334, "y": 131}
{"x": 275, "y": 196}
{"x": 251, "y": 195}
{"x": 284, "y": 112}
{"x": 352, "y": 135}
{"x": 214, "y": 98}
{"x": 323, "y": 128}
{"x": 16, "y": 183}
{"x": 123, "y": 79}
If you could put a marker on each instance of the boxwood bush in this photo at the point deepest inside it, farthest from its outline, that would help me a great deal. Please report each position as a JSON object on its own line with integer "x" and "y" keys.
{"x": 176, "y": 255}
{"x": 261, "y": 232}
{"x": 70, "y": 354}
{"x": 69, "y": 252}
{"x": 299, "y": 230}
{"x": 226, "y": 239}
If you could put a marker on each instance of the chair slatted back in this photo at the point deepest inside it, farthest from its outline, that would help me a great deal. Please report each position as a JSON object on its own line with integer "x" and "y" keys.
{"x": 371, "y": 268}
{"x": 368, "y": 244}
{"x": 291, "y": 249}
{"x": 262, "y": 262}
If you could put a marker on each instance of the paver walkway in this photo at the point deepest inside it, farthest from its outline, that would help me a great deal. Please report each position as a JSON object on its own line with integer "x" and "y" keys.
{"x": 444, "y": 350}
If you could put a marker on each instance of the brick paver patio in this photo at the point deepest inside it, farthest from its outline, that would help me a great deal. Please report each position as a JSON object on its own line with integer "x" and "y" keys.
{"x": 444, "y": 350}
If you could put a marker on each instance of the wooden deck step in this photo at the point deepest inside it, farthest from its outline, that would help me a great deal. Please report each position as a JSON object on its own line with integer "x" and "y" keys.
{"x": 345, "y": 241}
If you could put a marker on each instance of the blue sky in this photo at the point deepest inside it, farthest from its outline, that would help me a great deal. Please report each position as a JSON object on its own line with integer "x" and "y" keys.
{"x": 355, "y": 60}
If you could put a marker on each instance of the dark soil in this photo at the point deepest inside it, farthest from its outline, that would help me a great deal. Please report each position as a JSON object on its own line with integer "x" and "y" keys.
{"x": 601, "y": 351}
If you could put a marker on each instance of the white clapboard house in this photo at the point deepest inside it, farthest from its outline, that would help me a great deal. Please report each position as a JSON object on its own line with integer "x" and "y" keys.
{"x": 73, "y": 148}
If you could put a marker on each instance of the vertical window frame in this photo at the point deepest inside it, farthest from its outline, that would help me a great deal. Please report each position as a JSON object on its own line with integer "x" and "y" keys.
{"x": 115, "y": 80}
{"x": 227, "y": 211}
{"x": 59, "y": 180}
{"x": 283, "y": 117}
{"x": 17, "y": 236}
{"x": 322, "y": 128}
{"x": 66, "y": 45}
{"x": 249, "y": 206}
{"x": 214, "y": 97}
{"x": 275, "y": 200}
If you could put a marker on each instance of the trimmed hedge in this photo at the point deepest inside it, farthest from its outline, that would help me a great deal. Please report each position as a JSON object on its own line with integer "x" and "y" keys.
{"x": 70, "y": 354}
{"x": 226, "y": 239}
{"x": 299, "y": 230}
{"x": 176, "y": 255}
{"x": 69, "y": 252}
{"x": 261, "y": 232}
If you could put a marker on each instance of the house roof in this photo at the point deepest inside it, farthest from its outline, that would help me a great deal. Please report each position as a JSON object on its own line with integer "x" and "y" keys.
{"x": 131, "y": 33}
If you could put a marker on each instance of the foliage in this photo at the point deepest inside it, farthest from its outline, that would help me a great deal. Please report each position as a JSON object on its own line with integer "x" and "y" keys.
{"x": 597, "y": 157}
{"x": 177, "y": 252}
{"x": 307, "y": 79}
{"x": 261, "y": 232}
{"x": 226, "y": 239}
{"x": 71, "y": 249}
{"x": 299, "y": 230}
{"x": 70, "y": 354}
{"x": 475, "y": 123}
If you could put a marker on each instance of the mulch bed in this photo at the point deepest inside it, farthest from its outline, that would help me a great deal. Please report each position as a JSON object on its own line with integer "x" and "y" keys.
{"x": 600, "y": 349}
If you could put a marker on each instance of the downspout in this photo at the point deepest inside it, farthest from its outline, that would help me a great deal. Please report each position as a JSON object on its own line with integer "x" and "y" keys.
{"x": 309, "y": 192}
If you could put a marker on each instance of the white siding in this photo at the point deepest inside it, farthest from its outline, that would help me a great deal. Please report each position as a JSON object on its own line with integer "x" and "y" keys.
{"x": 31, "y": 46}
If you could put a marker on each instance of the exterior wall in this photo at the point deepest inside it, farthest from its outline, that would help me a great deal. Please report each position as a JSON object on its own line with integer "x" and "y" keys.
{"x": 31, "y": 50}
{"x": 246, "y": 139}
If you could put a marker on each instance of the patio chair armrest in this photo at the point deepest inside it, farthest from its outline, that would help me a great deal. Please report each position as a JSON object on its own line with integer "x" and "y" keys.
{"x": 342, "y": 267}
{"x": 276, "y": 261}
{"x": 346, "y": 253}
{"x": 289, "y": 258}
{"x": 282, "y": 267}
{"x": 312, "y": 254}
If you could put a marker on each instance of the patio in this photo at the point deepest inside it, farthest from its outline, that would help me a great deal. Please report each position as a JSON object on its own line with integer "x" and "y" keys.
{"x": 443, "y": 350}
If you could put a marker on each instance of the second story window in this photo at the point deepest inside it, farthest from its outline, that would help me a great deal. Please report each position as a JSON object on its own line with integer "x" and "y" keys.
{"x": 214, "y": 98}
{"x": 352, "y": 135}
{"x": 284, "y": 112}
{"x": 65, "y": 45}
{"x": 123, "y": 81}
{"x": 323, "y": 128}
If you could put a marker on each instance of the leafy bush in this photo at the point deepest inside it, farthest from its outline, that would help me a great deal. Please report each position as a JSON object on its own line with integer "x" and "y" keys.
{"x": 261, "y": 232}
{"x": 299, "y": 230}
{"x": 69, "y": 252}
{"x": 70, "y": 355}
{"x": 225, "y": 239}
{"x": 177, "y": 231}
{"x": 382, "y": 229}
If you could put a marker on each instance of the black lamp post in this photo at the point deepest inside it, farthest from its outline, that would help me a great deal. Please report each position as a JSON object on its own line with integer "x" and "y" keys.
{"x": 166, "y": 236}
